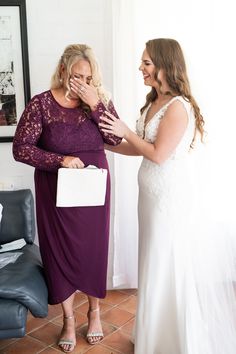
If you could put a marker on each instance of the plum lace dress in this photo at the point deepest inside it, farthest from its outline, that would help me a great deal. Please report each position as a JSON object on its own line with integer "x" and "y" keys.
{"x": 73, "y": 241}
{"x": 186, "y": 303}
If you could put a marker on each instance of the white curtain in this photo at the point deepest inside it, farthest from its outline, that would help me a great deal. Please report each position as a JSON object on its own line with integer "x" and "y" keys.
{"x": 205, "y": 31}
{"x": 125, "y": 168}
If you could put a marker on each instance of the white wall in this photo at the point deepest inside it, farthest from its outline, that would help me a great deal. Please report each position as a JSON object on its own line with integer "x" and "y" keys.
{"x": 52, "y": 25}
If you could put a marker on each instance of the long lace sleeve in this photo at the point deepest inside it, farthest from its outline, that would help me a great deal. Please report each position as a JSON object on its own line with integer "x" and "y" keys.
{"x": 108, "y": 138}
{"x": 27, "y": 135}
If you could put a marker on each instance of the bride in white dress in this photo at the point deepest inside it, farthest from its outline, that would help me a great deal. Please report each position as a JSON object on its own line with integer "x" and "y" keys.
{"x": 186, "y": 300}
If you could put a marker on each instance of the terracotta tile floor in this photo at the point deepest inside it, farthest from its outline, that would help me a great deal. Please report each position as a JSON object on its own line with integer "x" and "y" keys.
{"x": 117, "y": 316}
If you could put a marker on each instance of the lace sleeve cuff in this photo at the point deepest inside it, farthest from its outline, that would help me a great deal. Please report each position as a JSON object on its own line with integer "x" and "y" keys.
{"x": 97, "y": 113}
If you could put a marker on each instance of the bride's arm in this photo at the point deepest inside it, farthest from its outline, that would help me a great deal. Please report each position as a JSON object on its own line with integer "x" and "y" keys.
{"x": 124, "y": 148}
{"x": 170, "y": 132}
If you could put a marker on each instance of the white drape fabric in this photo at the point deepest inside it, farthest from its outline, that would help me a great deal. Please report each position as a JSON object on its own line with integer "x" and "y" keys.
{"x": 125, "y": 75}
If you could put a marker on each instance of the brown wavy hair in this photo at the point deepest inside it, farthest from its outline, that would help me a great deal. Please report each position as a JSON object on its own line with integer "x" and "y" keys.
{"x": 167, "y": 54}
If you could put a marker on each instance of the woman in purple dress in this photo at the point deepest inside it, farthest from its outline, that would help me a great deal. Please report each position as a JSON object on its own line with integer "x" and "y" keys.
{"x": 59, "y": 128}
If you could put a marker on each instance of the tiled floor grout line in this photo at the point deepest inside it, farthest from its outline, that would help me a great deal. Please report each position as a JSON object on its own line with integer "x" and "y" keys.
{"x": 107, "y": 347}
{"x": 49, "y": 347}
{"x": 38, "y": 340}
{"x": 111, "y": 306}
{"x": 109, "y": 335}
{"x": 84, "y": 325}
{"x": 108, "y": 323}
{"x": 7, "y": 345}
{"x": 37, "y": 328}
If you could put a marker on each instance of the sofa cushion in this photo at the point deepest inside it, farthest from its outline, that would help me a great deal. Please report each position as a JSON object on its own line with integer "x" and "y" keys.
{"x": 23, "y": 281}
{"x": 17, "y": 216}
{"x": 15, "y": 316}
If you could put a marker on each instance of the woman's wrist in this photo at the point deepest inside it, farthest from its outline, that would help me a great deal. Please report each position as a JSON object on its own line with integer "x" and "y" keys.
{"x": 94, "y": 105}
{"x": 62, "y": 161}
{"x": 127, "y": 134}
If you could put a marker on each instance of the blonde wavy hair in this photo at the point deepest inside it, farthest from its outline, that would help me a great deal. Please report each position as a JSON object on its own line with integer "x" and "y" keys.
{"x": 71, "y": 55}
{"x": 167, "y": 54}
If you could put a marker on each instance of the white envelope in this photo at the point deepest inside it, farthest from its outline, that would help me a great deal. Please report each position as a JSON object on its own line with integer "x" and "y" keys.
{"x": 81, "y": 187}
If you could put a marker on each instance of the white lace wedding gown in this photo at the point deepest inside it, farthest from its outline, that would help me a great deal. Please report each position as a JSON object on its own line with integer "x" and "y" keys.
{"x": 186, "y": 301}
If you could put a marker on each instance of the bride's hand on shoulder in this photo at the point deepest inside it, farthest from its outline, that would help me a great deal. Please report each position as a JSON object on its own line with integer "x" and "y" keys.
{"x": 111, "y": 124}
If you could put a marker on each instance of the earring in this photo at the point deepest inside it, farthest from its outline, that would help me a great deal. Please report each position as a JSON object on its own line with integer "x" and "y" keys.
{"x": 61, "y": 80}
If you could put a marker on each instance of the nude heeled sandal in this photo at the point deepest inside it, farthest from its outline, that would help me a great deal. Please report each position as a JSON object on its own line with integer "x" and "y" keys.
{"x": 94, "y": 337}
{"x": 63, "y": 341}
